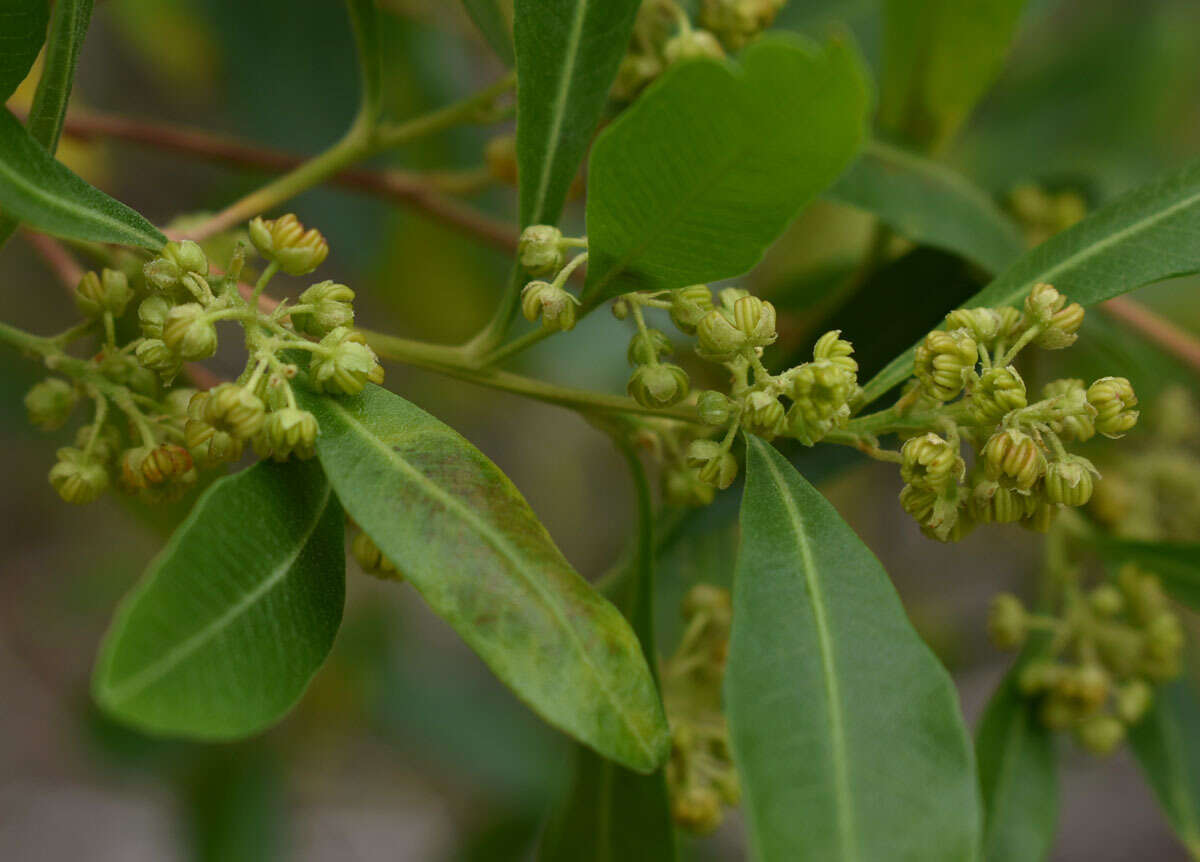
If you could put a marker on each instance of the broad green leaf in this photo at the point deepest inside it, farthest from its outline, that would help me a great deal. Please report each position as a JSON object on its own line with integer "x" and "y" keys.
{"x": 470, "y": 544}
{"x": 567, "y": 57}
{"x": 364, "y": 20}
{"x": 1147, "y": 235}
{"x": 1177, "y": 565}
{"x": 846, "y": 729}
{"x": 22, "y": 31}
{"x": 697, "y": 178}
{"x": 44, "y": 193}
{"x": 221, "y": 636}
{"x": 930, "y": 204}
{"x": 1167, "y": 745}
{"x": 1018, "y": 774}
{"x": 611, "y": 814}
{"x": 493, "y": 24}
{"x": 939, "y": 56}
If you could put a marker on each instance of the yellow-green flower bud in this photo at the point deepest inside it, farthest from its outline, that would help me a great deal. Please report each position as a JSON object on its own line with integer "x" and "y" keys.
{"x": 49, "y": 403}
{"x": 998, "y": 392}
{"x": 832, "y": 347}
{"x": 689, "y": 305}
{"x": 1078, "y": 422}
{"x": 931, "y": 461}
{"x": 756, "y": 320}
{"x": 1143, "y": 592}
{"x": 500, "y": 155}
{"x": 554, "y": 305}
{"x": 175, "y": 260}
{"x": 720, "y": 471}
{"x": 1007, "y": 622}
{"x": 1015, "y": 456}
{"x": 208, "y": 446}
{"x": 1042, "y": 516}
{"x": 345, "y": 365}
{"x": 943, "y": 361}
{"x": 285, "y": 242}
{"x": 634, "y": 73}
{"x": 821, "y": 392}
{"x": 331, "y": 308}
{"x": 683, "y": 487}
{"x": 658, "y": 385}
{"x": 697, "y": 808}
{"x": 764, "y": 415}
{"x": 992, "y": 503}
{"x": 1012, "y": 323}
{"x": 159, "y": 473}
{"x": 1059, "y": 322}
{"x": 1113, "y": 397}
{"x": 700, "y": 452}
{"x": 738, "y": 21}
{"x": 97, "y": 294}
{"x": 728, "y": 297}
{"x": 152, "y": 315}
{"x": 1132, "y": 700}
{"x": 646, "y": 347}
{"x": 714, "y": 603}
{"x": 717, "y": 337}
{"x": 292, "y": 432}
{"x": 155, "y": 355}
{"x": 235, "y": 410}
{"x": 1070, "y": 481}
{"x": 692, "y": 45}
{"x": 1164, "y": 636}
{"x": 1100, "y": 734}
{"x": 714, "y": 408}
{"x": 189, "y": 333}
{"x": 78, "y": 478}
{"x": 372, "y": 561}
{"x": 918, "y": 502}
{"x": 1089, "y": 685}
{"x": 1038, "y": 676}
{"x": 1106, "y": 600}
{"x": 540, "y": 249}
{"x": 983, "y": 324}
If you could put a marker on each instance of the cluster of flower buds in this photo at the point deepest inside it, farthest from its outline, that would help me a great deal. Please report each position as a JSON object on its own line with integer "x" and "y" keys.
{"x": 1102, "y": 654}
{"x": 701, "y": 777}
{"x": 1020, "y": 472}
{"x": 1042, "y": 213}
{"x": 662, "y": 35}
{"x": 542, "y": 251}
{"x": 736, "y": 22}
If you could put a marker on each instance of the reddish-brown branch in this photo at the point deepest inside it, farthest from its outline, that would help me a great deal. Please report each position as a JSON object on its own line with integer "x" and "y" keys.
{"x": 56, "y": 256}
{"x": 1181, "y": 344}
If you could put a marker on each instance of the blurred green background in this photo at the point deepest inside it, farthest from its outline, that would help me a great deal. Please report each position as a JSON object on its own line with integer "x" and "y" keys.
{"x": 405, "y": 748}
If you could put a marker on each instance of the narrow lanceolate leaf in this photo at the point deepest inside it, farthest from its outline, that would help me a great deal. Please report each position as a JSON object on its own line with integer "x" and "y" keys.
{"x": 1167, "y": 745}
{"x": 846, "y": 729}
{"x": 707, "y": 168}
{"x": 22, "y": 31}
{"x": 930, "y": 204}
{"x": 1018, "y": 774}
{"x": 223, "y": 633}
{"x": 1177, "y": 565}
{"x": 493, "y": 24}
{"x": 1144, "y": 236}
{"x": 43, "y": 193}
{"x": 68, "y": 27}
{"x": 611, "y": 814}
{"x": 567, "y": 57}
{"x": 467, "y": 540}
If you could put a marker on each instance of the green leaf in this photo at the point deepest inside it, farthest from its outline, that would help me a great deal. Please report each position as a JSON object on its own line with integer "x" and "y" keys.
{"x": 470, "y": 544}
{"x": 939, "y": 57}
{"x": 703, "y": 172}
{"x": 364, "y": 20}
{"x": 22, "y": 31}
{"x": 1018, "y": 774}
{"x": 1167, "y": 745}
{"x": 845, "y": 727}
{"x": 1142, "y": 237}
{"x": 45, "y": 194}
{"x": 611, "y": 814}
{"x": 1177, "y": 565}
{"x": 568, "y": 52}
{"x": 930, "y": 204}
{"x": 493, "y": 24}
{"x": 221, "y": 636}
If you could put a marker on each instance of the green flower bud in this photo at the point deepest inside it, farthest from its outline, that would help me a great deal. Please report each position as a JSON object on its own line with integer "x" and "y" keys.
{"x": 692, "y": 45}
{"x": 738, "y": 21}
{"x": 764, "y": 415}
{"x": 189, "y": 333}
{"x": 717, "y": 337}
{"x": 285, "y": 242}
{"x": 1078, "y": 422}
{"x": 720, "y": 471}
{"x": 97, "y": 294}
{"x": 1038, "y": 676}
{"x": 1100, "y": 734}
{"x": 728, "y": 297}
{"x": 500, "y": 156}
{"x": 1164, "y": 636}
{"x": 554, "y": 305}
{"x": 715, "y": 408}
{"x": 331, "y": 308}
{"x": 152, "y": 315}
{"x": 345, "y": 365}
{"x": 1113, "y": 397}
{"x": 689, "y": 305}
{"x": 634, "y": 73}
{"x": 1089, "y": 685}
{"x": 1143, "y": 593}
{"x": 292, "y": 432}
{"x": 155, "y": 355}
{"x": 838, "y": 351}
{"x": 177, "y": 258}
{"x": 1042, "y": 516}
{"x": 992, "y": 503}
{"x": 1012, "y": 323}
{"x": 658, "y": 385}
{"x": 645, "y": 348}
{"x": 953, "y": 531}
{"x": 158, "y": 473}
{"x": 165, "y": 462}
{"x": 208, "y": 446}
{"x": 983, "y": 324}
{"x": 234, "y": 410}
{"x": 998, "y": 392}
{"x": 697, "y": 809}
{"x": 700, "y": 452}
{"x": 1007, "y": 622}
{"x": 106, "y": 444}
{"x": 756, "y": 320}
{"x": 372, "y": 561}
{"x": 49, "y": 404}
{"x": 918, "y": 502}
{"x": 1106, "y": 600}
{"x": 709, "y": 601}
{"x": 540, "y": 249}
{"x": 1014, "y": 456}
{"x": 1070, "y": 481}
{"x": 1058, "y": 712}
{"x": 78, "y": 478}
{"x": 1059, "y": 322}
{"x": 821, "y": 392}
{"x": 943, "y": 361}
{"x": 931, "y": 461}
{"x": 684, "y": 488}
{"x": 1132, "y": 700}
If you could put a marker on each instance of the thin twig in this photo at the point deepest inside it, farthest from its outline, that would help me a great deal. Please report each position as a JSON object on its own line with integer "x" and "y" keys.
{"x": 1181, "y": 344}
{"x": 56, "y": 256}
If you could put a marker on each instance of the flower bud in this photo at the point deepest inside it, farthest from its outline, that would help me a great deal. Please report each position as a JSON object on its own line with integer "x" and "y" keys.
{"x": 500, "y": 155}
{"x": 235, "y": 410}
{"x": 646, "y": 347}
{"x": 992, "y": 503}
{"x": 152, "y": 315}
{"x": 658, "y": 385}
{"x": 1059, "y": 322}
{"x": 689, "y": 305}
{"x": 1042, "y": 516}
{"x": 1106, "y": 600}
{"x": 1089, "y": 685}
{"x": 1070, "y": 481}
{"x": 49, "y": 404}
{"x": 97, "y": 294}
{"x": 714, "y": 408}
{"x": 155, "y": 355}
{"x": 692, "y": 45}
{"x": 175, "y": 259}
{"x": 682, "y": 487}
{"x": 292, "y": 432}
{"x": 163, "y": 463}
{"x": 943, "y": 360}
{"x": 918, "y": 502}
{"x": 931, "y": 461}
{"x": 285, "y": 242}
{"x": 756, "y": 320}
{"x": 998, "y": 392}
{"x": 720, "y": 471}
{"x": 700, "y": 452}
{"x": 634, "y": 73}
{"x": 78, "y": 478}
{"x": 712, "y": 602}
{"x": 189, "y": 333}
{"x": 554, "y": 305}
{"x": 1007, "y": 622}
{"x": 1038, "y": 676}
{"x": 372, "y": 561}
{"x": 821, "y": 393}
{"x": 540, "y": 249}
{"x": 983, "y": 324}
{"x": 1015, "y": 456}
{"x": 1078, "y": 420}
{"x": 738, "y": 21}
{"x": 1100, "y": 734}
{"x": 1164, "y": 636}
{"x": 717, "y": 337}
{"x": 1132, "y": 700}
{"x": 697, "y": 808}
{"x": 331, "y": 308}
{"x": 838, "y": 351}
{"x": 208, "y": 446}
{"x": 1113, "y": 397}
{"x": 764, "y": 415}
{"x": 345, "y": 365}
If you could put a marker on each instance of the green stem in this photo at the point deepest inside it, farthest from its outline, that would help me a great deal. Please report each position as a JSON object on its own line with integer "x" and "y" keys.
{"x": 263, "y": 280}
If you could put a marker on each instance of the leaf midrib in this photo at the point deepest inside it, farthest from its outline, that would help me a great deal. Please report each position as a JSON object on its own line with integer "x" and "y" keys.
{"x": 845, "y": 813}
{"x": 500, "y": 544}
{"x": 152, "y": 673}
